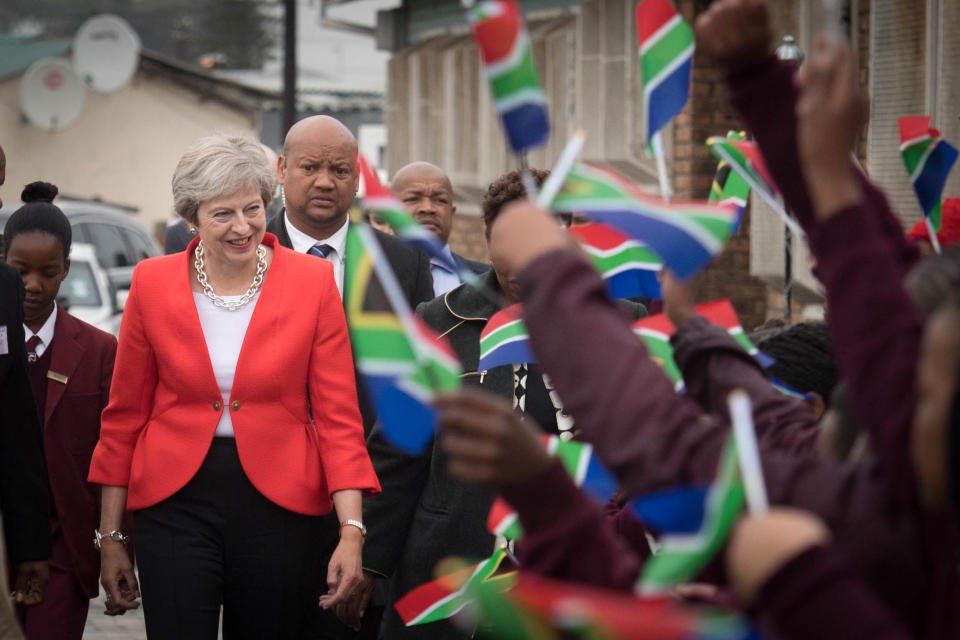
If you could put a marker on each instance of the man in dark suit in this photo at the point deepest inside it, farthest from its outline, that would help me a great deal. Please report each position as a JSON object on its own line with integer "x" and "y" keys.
{"x": 426, "y": 192}
{"x": 319, "y": 177}
{"x": 24, "y": 495}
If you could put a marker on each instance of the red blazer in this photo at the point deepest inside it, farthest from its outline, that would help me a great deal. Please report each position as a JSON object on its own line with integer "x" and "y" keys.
{"x": 78, "y": 385}
{"x": 165, "y": 402}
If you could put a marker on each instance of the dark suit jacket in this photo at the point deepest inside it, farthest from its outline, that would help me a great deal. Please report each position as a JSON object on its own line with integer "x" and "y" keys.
{"x": 24, "y": 495}
{"x": 412, "y": 269}
{"x": 178, "y": 237}
{"x": 71, "y": 427}
{"x": 424, "y": 515}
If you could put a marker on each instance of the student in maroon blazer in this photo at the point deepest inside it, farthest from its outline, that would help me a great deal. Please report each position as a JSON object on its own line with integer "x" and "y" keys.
{"x": 233, "y": 423}
{"x": 70, "y": 365}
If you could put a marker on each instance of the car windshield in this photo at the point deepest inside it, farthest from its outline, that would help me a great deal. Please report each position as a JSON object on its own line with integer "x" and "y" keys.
{"x": 80, "y": 287}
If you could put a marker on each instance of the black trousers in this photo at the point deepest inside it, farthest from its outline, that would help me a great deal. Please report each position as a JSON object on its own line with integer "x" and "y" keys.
{"x": 219, "y": 541}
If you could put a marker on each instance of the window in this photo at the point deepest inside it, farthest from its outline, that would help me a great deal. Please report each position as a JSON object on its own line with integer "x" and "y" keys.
{"x": 112, "y": 250}
{"x": 80, "y": 286}
{"x": 141, "y": 247}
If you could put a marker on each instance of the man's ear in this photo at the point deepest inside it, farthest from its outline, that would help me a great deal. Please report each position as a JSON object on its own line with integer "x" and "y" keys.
{"x": 281, "y": 169}
{"x": 817, "y": 404}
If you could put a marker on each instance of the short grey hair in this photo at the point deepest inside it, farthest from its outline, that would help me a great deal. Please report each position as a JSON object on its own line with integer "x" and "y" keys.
{"x": 217, "y": 166}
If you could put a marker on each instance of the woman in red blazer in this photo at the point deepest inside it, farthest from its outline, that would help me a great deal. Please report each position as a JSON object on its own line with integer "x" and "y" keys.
{"x": 226, "y": 351}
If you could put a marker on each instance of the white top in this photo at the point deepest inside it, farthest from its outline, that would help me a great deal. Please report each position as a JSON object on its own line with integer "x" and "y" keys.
{"x": 338, "y": 241}
{"x": 224, "y": 330}
{"x": 45, "y": 334}
{"x": 443, "y": 278}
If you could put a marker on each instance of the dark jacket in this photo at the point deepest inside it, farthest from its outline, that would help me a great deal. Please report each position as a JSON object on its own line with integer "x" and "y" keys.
{"x": 24, "y": 495}
{"x": 84, "y": 356}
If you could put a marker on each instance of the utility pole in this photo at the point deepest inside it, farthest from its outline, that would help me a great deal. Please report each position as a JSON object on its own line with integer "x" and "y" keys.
{"x": 289, "y": 65}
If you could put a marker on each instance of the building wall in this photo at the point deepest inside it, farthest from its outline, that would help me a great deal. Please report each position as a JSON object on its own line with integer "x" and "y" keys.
{"x": 439, "y": 109}
{"x": 122, "y": 149}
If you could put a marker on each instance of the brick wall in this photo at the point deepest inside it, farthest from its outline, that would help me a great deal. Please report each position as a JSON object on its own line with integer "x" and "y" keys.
{"x": 707, "y": 114}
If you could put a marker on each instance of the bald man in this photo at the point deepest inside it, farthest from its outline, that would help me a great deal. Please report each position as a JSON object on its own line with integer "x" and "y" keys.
{"x": 427, "y": 194}
{"x": 318, "y": 172}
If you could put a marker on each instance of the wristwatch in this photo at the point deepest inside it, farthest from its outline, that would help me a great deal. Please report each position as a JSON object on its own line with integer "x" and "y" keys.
{"x": 357, "y": 524}
{"x": 115, "y": 535}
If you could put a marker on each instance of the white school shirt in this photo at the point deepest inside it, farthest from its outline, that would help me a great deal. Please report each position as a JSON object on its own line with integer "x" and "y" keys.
{"x": 45, "y": 334}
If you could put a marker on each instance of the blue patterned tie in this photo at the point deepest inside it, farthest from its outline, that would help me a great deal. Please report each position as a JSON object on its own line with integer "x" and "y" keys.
{"x": 320, "y": 250}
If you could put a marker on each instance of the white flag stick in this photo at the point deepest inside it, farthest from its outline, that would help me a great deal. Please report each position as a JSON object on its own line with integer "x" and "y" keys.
{"x": 741, "y": 415}
{"x": 665, "y": 191}
{"x": 551, "y": 186}
{"x": 934, "y": 240}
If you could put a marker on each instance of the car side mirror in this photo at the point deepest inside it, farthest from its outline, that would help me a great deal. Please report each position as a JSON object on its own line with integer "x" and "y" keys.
{"x": 121, "y": 298}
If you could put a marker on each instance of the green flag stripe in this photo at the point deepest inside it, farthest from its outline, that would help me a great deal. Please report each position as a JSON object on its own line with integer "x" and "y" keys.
{"x": 665, "y": 51}
{"x": 682, "y": 557}
{"x": 506, "y": 332}
{"x": 523, "y": 76}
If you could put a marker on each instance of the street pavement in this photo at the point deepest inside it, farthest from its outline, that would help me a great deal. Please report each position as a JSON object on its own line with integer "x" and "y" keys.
{"x": 129, "y": 626}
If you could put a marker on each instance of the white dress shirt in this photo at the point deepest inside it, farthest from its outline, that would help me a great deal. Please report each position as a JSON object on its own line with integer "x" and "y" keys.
{"x": 45, "y": 334}
{"x": 443, "y": 278}
{"x": 338, "y": 241}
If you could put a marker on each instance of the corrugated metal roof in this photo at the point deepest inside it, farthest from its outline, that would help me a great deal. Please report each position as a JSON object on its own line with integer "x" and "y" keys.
{"x": 17, "y": 53}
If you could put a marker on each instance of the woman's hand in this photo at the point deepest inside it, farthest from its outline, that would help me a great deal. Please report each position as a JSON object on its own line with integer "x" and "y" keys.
{"x": 345, "y": 571}
{"x": 117, "y": 578}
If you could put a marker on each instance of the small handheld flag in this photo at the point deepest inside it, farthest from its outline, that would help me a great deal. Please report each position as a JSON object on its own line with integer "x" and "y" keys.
{"x": 402, "y": 363}
{"x": 681, "y": 556}
{"x": 504, "y": 339}
{"x": 728, "y": 186}
{"x": 629, "y": 267}
{"x": 538, "y": 608}
{"x": 508, "y": 60}
{"x": 745, "y": 158}
{"x": 928, "y": 159}
{"x": 686, "y": 235}
{"x": 666, "y": 59}
{"x": 446, "y": 596}
{"x": 655, "y": 331}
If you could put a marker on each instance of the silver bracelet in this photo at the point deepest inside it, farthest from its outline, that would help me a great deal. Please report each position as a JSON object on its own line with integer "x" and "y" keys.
{"x": 357, "y": 524}
{"x": 115, "y": 535}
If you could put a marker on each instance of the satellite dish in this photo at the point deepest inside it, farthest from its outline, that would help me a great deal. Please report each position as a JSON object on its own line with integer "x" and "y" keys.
{"x": 106, "y": 52}
{"x": 51, "y": 95}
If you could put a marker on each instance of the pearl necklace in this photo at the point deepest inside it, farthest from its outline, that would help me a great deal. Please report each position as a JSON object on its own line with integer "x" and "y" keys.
{"x": 219, "y": 301}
